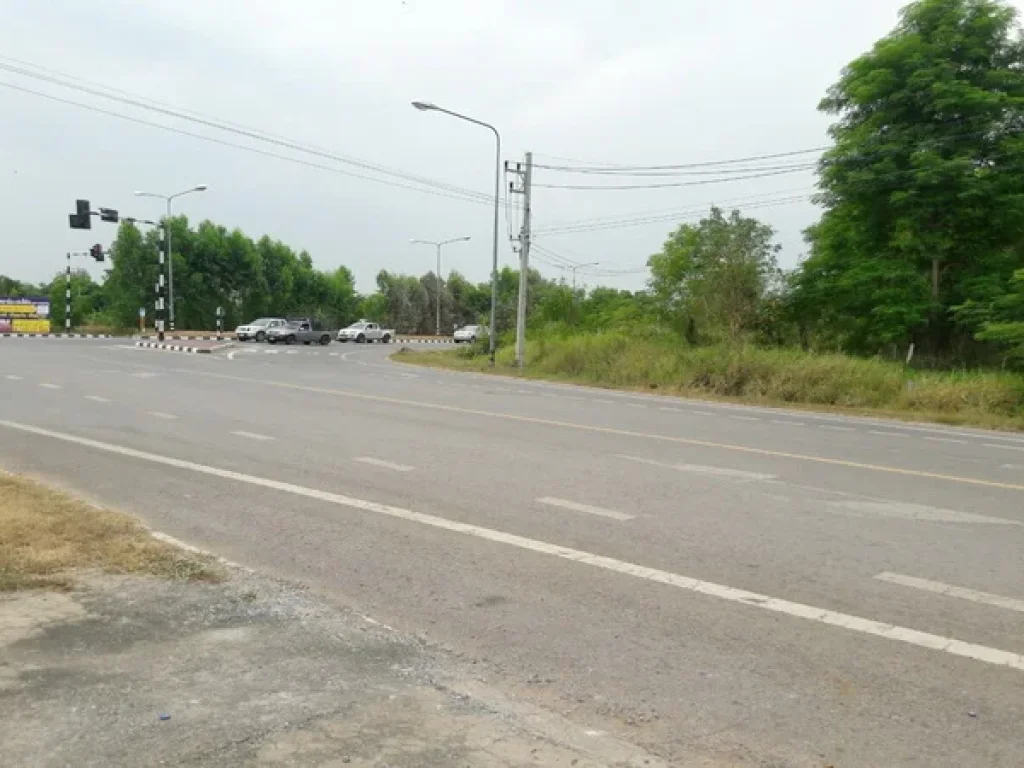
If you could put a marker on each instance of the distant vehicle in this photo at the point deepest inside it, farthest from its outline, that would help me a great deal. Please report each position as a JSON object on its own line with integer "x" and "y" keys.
{"x": 365, "y": 332}
{"x": 257, "y": 329}
{"x": 470, "y": 333}
{"x": 295, "y": 331}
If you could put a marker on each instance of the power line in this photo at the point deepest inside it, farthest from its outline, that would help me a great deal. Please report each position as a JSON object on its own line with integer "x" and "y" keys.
{"x": 635, "y": 169}
{"x": 667, "y": 214}
{"x": 143, "y": 102}
{"x": 244, "y": 148}
{"x": 673, "y": 185}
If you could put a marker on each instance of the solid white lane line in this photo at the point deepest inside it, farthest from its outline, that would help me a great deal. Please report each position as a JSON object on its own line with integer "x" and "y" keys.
{"x": 385, "y": 464}
{"x": 744, "y": 418}
{"x": 576, "y": 507}
{"x": 946, "y": 440}
{"x": 938, "y": 587}
{"x": 12, "y": 377}
{"x": 788, "y": 423}
{"x": 97, "y": 399}
{"x": 735, "y": 474}
{"x": 162, "y": 415}
{"x": 886, "y": 434}
{"x": 251, "y": 435}
{"x": 48, "y": 385}
{"x": 835, "y": 428}
{"x": 846, "y": 621}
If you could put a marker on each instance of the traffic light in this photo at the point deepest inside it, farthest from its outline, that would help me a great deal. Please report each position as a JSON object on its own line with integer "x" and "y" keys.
{"x": 108, "y": 214}
{"x": 96, "y": 252}
{"x": 82, "y": 219}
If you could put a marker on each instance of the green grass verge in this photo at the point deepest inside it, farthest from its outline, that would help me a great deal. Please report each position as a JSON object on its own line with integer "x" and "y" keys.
{"x": 783, "y": 377}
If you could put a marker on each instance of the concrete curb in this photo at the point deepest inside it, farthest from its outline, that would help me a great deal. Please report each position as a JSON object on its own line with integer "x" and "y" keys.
{"x": 187, "y": 338}
{"x": 180, "y": 347}
{"x": 59, "y": 336}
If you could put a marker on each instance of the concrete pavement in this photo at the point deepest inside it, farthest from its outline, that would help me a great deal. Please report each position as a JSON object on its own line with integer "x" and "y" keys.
{"x": 737, "y": 584}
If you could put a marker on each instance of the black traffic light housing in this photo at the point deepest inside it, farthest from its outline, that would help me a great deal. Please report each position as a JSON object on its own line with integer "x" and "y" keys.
{"x": 82, "y": 218}
{"x": 96, "y": 252}
{"x": 108, "y": 214}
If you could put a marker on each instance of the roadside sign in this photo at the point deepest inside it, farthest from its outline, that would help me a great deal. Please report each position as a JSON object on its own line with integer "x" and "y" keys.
{"x": 142, "y": 311}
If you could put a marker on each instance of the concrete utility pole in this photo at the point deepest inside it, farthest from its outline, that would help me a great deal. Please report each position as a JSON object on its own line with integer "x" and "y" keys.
{"x": 438, "y": 245}
{"x": 573, "y": 268}
{"x": 524, "y": 262}
{"x": 426, "y": 106}
{"x": 167, "y": 235}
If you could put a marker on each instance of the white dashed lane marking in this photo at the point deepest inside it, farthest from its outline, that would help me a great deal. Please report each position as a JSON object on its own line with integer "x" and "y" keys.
{"x": 752, "y": 600}
{"x": 699, "y": 469}
{"x": 48, "y": 385}
{"x": 97, "y": 399}
{"x": 383, "y": 464}
{"x": 162, "y": 415}
{"x": 938, "y": 587}
{"x": 588, "y": 509}
{"x": 12, "y": 377}
{"x": 251, "y": 435}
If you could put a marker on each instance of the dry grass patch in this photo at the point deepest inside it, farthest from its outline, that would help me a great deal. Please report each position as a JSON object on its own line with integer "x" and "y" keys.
{"x": 45, "y": 535}
{"x": 780, "y": 377}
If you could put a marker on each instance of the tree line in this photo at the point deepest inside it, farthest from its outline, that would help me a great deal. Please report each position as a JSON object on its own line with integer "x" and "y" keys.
{"x": 921, "y": 240}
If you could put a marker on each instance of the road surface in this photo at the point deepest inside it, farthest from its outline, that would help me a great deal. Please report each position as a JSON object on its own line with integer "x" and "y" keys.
{"x": 721, "y": 585}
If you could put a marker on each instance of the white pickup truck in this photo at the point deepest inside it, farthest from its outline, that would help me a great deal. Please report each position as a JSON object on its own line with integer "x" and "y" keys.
{"x": 365, "y": 332}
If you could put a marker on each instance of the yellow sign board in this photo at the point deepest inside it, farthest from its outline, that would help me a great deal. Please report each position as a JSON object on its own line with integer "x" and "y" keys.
{"x": 17, "y": 309}
{"x": 30, "y": 326}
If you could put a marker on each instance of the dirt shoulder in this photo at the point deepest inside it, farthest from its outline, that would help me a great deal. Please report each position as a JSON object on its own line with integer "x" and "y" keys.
{"x": 138, "y": 666}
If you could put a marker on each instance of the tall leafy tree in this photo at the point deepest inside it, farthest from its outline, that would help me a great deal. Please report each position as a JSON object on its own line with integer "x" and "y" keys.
{"x": 924, "y": 188}
{"x": 715, "y": 274}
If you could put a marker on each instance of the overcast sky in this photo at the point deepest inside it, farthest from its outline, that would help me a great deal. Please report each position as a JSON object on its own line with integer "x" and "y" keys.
{"x": 649, "y": 82}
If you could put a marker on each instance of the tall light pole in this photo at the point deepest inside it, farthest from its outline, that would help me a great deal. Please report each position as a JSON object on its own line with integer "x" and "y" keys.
{"x": 167, "y": 228}
{"x": 438, "y": 244}
{"x": 426, "y": 106}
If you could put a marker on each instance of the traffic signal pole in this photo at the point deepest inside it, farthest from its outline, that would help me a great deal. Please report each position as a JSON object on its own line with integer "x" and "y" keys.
{"x": 67, "y": 296}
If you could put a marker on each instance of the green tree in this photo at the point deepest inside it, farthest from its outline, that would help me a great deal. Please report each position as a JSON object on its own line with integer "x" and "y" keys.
{"x": 86, "y": 298}
{"x": 715, "y": 274}
{"x": 924, "y": 188}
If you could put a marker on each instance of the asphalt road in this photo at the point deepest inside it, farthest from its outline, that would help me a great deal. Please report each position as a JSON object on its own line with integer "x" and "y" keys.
{"x": 715, "y": 583}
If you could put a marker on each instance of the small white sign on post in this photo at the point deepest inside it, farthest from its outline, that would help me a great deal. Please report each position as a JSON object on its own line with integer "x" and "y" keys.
{"x": 142, "y": 312}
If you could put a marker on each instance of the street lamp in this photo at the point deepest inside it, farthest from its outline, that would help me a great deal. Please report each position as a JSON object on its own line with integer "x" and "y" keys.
{"x": 438, "y": 244}
{"x": 167, "y": 227}
{"x": 426, "y": 106}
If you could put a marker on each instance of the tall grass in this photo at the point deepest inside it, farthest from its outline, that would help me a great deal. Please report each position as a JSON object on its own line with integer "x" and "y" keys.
{"x": 768, "y": 376}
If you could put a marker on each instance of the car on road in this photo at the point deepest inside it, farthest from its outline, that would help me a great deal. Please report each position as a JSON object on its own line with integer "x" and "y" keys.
{"x": 299, "y": 331}
{"x": 365, "y": 332}
{"x": 470, "y": 333}
{"x": 257, "y": 329}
